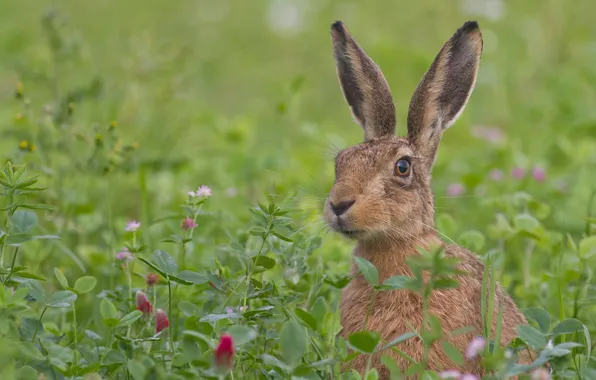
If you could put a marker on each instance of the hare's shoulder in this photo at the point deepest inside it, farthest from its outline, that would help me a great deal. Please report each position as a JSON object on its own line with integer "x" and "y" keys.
{"x": 468, "y": 260}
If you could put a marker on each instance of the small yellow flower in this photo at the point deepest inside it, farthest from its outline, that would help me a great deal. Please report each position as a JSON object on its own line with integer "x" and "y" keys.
{"x": 24, "y": 144}
{"x": 32, "y": 148}
{"x": 113, "y": 124}
{"x": 98, "y": 137}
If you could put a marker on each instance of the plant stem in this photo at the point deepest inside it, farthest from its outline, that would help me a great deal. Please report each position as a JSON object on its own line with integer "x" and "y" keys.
{"x": 38, "y": 324}
{"x": 74, "y": 327}
{"x": 250, "y": 266}
{"x": 14, "y": 259}
{"x": 171, "y": 316}
{"x": 129, "y": 275}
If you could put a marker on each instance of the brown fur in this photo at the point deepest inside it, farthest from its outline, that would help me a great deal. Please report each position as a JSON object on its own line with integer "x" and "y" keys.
{"x": 390, "y": 215}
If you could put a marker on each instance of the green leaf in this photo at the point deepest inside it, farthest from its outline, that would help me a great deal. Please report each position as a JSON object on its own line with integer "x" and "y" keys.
{"x": 397, "y": 283}
{"x": 368, "y": 270}
{"x": 264, "y": 261}
{"x": 364, "y": 341}
{"x": 526, "y": 222}
{"x": 29, "y": 350}
{"x": 164, "y": 274}
{"x": 109, "y": 313}
{"x": 37, "y": 206}
{"x": 587, "y": 247}
{"x": 26, "y": 373}
{"x": 307, "y": 318}
{"x": 540, "y": 316}
{"x": 453, "y": 353}
{"x": 24, "y": 221}
{"x": 165, "y": 262}
{"x": 85, "y": 284}
{"x": 568, "y": 326}
{"x": 61, "y": 278}
{"x": 192, "y": 277}
{"x": 339, "y": 282}
{"x": 472, "y": 240}
{"x": 399, "y": 339}
{"x": 293, "y": 342}
{"x": 131, "y": 318}
{"x": 178, "y": 360}
{"x": 531, "y": 336}
{"x": 36, "y": 291}
{"x": 319, "y": 308}
{"x": 242, "y": 334}
{"x": 136, "y": 369}
{"x": 17, "y": 239}
{"x": 282, "y": 237}
{"x": 62, "y": 298}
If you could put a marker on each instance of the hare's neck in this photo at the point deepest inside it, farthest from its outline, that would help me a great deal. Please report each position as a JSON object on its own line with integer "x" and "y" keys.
{"x": 389, "y": 257}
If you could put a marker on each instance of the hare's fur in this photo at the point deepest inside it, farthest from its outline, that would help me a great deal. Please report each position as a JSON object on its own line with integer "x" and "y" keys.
{"x": 392, "y": 216}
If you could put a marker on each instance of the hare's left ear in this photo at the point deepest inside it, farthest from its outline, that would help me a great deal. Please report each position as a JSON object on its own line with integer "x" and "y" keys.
{"x": 444, "y": 90}
{"x": 363, "y": 85}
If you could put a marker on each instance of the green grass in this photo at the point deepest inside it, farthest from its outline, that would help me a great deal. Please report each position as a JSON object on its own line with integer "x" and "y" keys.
{"x": 205, "y": 92}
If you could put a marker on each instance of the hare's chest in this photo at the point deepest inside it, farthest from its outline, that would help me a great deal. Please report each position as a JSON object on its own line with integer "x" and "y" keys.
{"x": 390, "y": 313}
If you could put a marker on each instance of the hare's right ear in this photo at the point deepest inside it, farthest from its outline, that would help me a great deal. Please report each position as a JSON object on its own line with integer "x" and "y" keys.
{"x": 444, "y": 90}
{"x": 363, "y": 85}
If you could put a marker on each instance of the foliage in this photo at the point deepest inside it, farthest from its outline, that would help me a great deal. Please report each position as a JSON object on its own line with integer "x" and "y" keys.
{"x": 106, "y": 135}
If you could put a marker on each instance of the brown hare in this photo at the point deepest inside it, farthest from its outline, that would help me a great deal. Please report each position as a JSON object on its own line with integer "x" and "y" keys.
{"x": 382, "y": 198}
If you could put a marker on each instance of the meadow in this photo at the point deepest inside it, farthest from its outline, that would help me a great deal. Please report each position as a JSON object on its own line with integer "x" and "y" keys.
{"x": 165, "y": 165}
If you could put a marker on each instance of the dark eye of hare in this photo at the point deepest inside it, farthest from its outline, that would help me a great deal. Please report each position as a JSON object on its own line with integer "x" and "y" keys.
{"x": 402, "y": 168}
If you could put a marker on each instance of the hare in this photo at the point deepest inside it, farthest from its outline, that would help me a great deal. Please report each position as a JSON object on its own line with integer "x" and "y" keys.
{"x": 382, "y": 198}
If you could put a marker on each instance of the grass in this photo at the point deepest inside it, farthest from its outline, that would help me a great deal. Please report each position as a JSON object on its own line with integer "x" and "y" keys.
{"x": 124, "y": 107}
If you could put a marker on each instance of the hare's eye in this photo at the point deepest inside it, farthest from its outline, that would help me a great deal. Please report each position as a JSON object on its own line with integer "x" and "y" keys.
{"x": 402, "y": 168}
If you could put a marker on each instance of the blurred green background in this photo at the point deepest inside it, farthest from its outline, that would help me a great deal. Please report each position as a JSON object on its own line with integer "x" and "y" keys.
{"x": 242, "y": 96}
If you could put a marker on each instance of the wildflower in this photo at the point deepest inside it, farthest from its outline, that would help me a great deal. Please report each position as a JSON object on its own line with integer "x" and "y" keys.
{"x": 452, "y": 374}
{"x": 475, "y": 347}
{"x": 32, "y": 148}
{"x": 540, "y": 374}
{"x": 152, "y": 279}
{"x": 161, "y": 321}
{"x": 242, "y": 309}
{"x": 549, "y": 345}
{"x": 113, "y": 124}
{"x": 203, "y": 191}
{"x": 231, "y": 192}
{"x": 489, "y": 134}
{"x": 188, "y": 224}
{"x": 496, "y": 175}
{"x": 539, "y": 174}
{"x": 229, "y": 310}
{"x": 133, "y": 226}
{"x": 124, "y": 255}
{"x": 143, "y": 303}
{"x": 224, "y": 353}
{"x": 518, "y": 173}
{"x": 468, "y": 376}
{"x": 24, "y": 144}
{"x": 192, "y": 194}
{"x": 455, "y": 189}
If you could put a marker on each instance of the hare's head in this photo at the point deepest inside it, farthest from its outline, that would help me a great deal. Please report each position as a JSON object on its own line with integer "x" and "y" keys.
{"x": 382, "y": 186}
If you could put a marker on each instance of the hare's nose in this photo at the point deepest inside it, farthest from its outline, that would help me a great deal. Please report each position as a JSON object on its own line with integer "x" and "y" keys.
{"x": 341, "y": 207}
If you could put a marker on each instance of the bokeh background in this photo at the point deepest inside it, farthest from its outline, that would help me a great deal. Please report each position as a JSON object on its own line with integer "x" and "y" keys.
{"x": 127, "y": 105}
